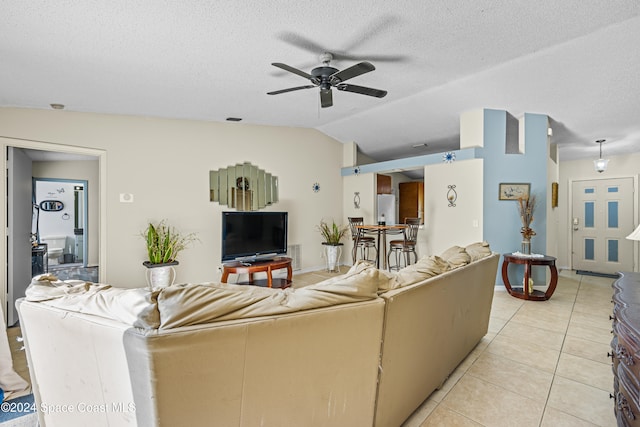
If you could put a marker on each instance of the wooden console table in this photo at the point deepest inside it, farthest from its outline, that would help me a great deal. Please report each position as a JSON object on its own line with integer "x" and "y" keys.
{"x": 528, "y": 261}
{"x": 277, "y": 263}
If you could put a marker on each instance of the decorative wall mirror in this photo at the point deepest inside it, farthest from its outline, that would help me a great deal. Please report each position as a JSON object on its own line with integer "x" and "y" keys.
{"x": 243, "y": 187}
{"x": 51, "y": 205}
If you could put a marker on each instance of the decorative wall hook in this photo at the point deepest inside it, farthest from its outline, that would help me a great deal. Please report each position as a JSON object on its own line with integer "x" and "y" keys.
{"x": 356, "y": 199}
{"x": 452, "y": 196}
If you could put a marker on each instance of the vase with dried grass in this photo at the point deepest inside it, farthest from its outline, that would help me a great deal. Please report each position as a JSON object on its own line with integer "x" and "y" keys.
{"x": 526, "y": 206}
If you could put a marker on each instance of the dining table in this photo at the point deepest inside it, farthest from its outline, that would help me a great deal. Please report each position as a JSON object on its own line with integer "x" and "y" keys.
{"x": 381, "y": 230}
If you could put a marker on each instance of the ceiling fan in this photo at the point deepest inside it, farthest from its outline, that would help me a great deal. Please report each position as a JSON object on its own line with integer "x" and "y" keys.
{"x": 326, "y": 77}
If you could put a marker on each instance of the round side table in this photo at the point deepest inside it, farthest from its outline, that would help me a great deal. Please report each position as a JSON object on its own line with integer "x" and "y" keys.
{"x": 528, "y": 262}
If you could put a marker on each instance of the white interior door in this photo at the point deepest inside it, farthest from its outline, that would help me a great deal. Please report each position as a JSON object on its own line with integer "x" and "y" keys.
{"x": 19, "y": 214}
{"x": 602, "y": 217}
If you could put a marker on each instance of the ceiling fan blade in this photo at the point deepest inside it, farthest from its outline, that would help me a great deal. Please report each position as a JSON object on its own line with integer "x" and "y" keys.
{"x": 326, "y": 98}
{"x": 372, "y": 29}
{"x": 293, "y": 70}
{"x": 338, "y": 56}
{"x": 351, "y": 72}
{"x": 362, "y": 90}
{"x": 301, "y": 42}
{"x": 291, "y": 89}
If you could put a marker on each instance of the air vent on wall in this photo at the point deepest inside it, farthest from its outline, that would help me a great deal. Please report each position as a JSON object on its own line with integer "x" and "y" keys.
{"x": 293, "y": 252}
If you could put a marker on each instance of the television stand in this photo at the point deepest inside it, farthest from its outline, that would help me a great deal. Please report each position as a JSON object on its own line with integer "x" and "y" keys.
{"x": 277, "y": 263}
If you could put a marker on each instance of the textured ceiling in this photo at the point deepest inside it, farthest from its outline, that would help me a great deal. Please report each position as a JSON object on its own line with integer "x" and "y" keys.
{"x": 575, "y": 60}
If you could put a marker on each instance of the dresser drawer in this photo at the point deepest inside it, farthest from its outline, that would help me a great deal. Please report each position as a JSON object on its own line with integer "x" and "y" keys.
{"x": 627, "y": 395}
{"x": 627, "y": 348}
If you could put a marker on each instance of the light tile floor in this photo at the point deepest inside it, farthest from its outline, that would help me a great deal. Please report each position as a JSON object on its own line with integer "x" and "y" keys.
{"x": 18, "y": 354}
{"x": 541, "y": 364}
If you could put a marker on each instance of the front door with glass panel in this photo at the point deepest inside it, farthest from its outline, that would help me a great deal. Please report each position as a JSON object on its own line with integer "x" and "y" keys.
{"x": 602, "y": 216}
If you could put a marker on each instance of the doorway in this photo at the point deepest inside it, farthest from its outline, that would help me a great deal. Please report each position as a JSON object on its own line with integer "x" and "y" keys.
{"x": 602, "y": 215}
{"x": 16, "y": 256}
{"x": 59, "y": 223}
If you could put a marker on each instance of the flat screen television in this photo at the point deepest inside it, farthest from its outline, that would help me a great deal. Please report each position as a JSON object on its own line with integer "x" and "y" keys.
{"x": 253, "y": 236}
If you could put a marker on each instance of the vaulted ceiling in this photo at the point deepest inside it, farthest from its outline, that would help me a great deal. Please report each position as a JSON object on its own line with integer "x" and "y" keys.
{"x": 575, "y": 60}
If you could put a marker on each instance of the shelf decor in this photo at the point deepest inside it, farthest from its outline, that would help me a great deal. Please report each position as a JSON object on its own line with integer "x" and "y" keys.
{"x": 526, "y": 206}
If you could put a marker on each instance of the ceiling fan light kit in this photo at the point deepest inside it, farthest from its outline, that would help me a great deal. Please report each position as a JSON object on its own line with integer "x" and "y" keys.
{"x": 327, "y": 77}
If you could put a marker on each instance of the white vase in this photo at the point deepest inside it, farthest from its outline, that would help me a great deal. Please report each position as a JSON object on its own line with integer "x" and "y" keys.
{"x": 160, "y": 275}
{"x": 332, "y": 254}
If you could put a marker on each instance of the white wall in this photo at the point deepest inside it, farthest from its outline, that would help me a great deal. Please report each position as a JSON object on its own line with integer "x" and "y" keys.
{"x": 85, "y": 171}
{"x": 553, "y": 214}
{"x": 165, "y": 164}
{"x": 447, "y": 226}
{"x": 365, "y": 185}
{"x": 57, "y": 223}
{"x": 619, "y": 167}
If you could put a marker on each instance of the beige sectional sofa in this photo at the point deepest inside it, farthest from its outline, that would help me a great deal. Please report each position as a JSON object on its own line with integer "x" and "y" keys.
{"x": 360, "y": 349}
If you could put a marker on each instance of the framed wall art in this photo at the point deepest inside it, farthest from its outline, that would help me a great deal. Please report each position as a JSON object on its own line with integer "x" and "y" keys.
{"x": 554, "y": 194}
{"x": 513, "y": 191}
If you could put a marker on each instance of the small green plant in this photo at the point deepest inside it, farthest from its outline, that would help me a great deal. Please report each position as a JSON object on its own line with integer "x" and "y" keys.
{"x": 333, "y": 233}
{"x": 164, "y": 243}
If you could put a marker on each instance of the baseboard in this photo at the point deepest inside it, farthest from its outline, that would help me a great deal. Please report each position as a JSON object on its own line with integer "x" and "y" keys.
{"x": 595, "y": 273}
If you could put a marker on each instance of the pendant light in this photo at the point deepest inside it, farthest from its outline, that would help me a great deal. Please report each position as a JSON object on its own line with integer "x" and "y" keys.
{"x": 600, "y": 164}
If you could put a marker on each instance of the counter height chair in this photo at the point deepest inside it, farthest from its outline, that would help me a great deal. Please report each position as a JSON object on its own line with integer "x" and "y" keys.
{"x": 406, "y": 246}
{"x": 360, "y": 240}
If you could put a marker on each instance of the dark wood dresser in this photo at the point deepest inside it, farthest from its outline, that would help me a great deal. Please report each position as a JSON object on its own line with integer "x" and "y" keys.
{"x": 626, "y": 349}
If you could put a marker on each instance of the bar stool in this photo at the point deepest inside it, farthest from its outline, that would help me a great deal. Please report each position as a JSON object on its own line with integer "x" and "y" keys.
{"x": 406, "y": 246}
{"x": 360, "y": 240}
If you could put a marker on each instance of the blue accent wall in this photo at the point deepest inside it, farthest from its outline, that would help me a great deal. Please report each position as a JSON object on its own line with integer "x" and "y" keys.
{"x": 501, "y": 219}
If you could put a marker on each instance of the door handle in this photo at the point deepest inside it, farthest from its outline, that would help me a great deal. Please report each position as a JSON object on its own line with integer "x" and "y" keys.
{"x": 575, "y": 222}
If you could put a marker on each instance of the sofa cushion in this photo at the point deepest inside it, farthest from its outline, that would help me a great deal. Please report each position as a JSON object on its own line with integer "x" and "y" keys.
{"x": 362, "y": 279}
{"x": 136, "y": 307}
{"x": 456, "y": 256}
{"x": 425, "y": 268}
{"x": 478, "y": 250}
{"x": 192, "y": 304}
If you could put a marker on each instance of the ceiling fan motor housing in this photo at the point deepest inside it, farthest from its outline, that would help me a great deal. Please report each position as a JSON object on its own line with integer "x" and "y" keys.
{"x": 322, "y": 76}
{"x": 323, "y": 71}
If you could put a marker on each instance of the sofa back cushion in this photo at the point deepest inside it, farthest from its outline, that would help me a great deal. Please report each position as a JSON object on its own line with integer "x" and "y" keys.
{"x": 425, "y": 268}
{"x": 136, "y": 307}
{"x": 193, "y": 304}
{"x": 456, "y": 256}
{"x": 478, "y": 250}
{"x": 430, "y": 266}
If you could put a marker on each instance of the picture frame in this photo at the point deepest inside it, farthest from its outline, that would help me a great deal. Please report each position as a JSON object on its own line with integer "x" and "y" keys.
{"x": 513, "y": 190}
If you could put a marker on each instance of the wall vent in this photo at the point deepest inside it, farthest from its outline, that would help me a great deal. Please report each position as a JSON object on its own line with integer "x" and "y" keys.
{"x": 293, "y": 252}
